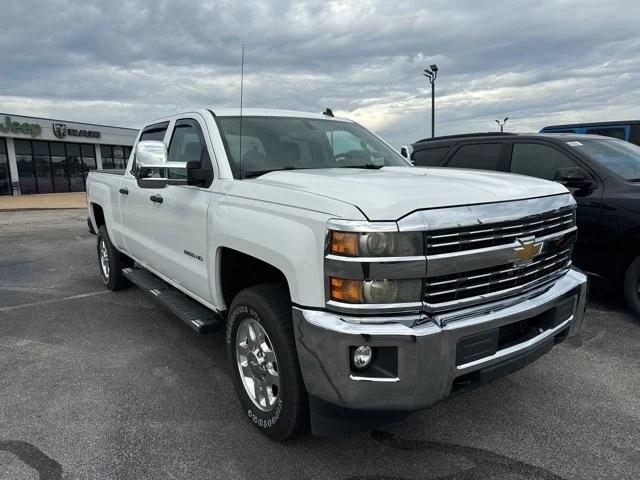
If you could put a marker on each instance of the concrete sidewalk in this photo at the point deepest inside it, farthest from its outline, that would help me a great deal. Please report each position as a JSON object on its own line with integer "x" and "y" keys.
{"x": 45, "y": 201}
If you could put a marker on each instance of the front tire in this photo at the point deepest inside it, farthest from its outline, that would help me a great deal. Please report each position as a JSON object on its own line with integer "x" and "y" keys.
{"x": 632, "y": 286}
{"x": 262, "y": 353}
{"x": 111, "y": 262}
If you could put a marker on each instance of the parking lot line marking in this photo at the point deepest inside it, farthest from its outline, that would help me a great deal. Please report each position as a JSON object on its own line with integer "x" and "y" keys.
{"x": 54, "y": 300}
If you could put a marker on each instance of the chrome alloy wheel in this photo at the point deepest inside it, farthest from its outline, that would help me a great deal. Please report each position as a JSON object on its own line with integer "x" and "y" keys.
{"x": 257, "y": 364}
{"x": 104, "y": 260}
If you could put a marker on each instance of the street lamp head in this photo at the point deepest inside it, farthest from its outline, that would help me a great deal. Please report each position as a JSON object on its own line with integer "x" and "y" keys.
{"x": 505, "y": 120}
{"x": 498, "y": 122}
{"x": 434, "y": 67}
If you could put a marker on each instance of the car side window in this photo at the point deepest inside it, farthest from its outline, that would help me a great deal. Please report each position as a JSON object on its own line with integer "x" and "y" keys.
{"x": 429, "y": 157}
{"x": 537, "y": 160}
{"x": 615, "y": 132}
{"x": 152, "y": 132}
{"x": 188, "y": 145}
{"x": 483, "y": 156}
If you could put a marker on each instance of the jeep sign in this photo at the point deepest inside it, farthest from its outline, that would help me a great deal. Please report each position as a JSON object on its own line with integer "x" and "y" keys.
{"x": 32, "y": 129}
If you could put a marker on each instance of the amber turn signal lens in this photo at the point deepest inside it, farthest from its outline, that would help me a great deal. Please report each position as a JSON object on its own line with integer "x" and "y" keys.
{"x": 348, "y": 291}
{"x": 344, "y": 243}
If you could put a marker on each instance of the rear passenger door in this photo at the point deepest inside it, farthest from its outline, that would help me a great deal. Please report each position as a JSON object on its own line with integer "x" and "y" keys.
{"x": 543, "y": 160}
{"x": 480, "y": 156}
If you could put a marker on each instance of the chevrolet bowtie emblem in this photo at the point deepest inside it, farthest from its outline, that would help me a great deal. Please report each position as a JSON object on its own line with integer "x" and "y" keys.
{"x": 527, "y": 250}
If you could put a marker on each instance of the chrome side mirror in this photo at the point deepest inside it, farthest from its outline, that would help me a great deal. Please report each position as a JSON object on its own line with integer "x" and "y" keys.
{"x": 151, "y": 154}
{"x": 152, "y": 165}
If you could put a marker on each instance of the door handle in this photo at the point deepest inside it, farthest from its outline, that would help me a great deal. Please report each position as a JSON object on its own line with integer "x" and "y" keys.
{"x": 124, "y": 191}
{"x": 156, "y": 198}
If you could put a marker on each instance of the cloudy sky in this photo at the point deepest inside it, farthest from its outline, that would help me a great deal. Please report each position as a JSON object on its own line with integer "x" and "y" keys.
{"x": 125, "y": 62}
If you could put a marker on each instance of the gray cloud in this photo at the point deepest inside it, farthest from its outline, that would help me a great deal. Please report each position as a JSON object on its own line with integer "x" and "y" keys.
{"x": 117, "y": 62}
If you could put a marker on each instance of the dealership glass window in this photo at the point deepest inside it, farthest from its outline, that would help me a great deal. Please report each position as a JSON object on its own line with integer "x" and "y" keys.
{"x": 537, "y": 160}
{"x": 59, "y": 167}
{"x": 74, "y": 167}
{"x": 42, "y": 166}
{"x": 483, "y": 156}
{"x": 88, "y": 160}
{"x": 24, "y": 161}
{"x": 48, "y": 167}
{"x": 5, "y": 176}
{"x": 114, "y": 156}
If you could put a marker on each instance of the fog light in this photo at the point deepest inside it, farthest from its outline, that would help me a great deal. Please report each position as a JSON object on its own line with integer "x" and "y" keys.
{"x": 362, "y": 357}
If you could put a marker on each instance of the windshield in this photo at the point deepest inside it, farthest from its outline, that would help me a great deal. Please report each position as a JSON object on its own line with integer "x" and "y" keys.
{"x": 290, "y": 143}
{"x": 622, "y": 158}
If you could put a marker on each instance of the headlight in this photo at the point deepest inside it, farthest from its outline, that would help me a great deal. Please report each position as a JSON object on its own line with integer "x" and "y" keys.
{"x": 376, "y": 244}
{"x": 375, "y": 291}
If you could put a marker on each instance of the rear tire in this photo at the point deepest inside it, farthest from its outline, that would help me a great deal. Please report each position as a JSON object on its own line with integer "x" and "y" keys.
{"x": 263, "y": 312}
{"x": 632, "y": 286}
{"x": 111, "y": 262}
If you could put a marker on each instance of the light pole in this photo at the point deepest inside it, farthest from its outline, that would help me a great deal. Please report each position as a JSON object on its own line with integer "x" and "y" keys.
{"x": 432, "y": 73}
{"x": 502, "y": 124}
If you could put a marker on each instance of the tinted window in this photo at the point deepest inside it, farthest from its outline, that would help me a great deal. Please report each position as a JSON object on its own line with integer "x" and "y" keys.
{"x": 155, "y": 132}
{"x": 615, "y": 132}
{"x": 483, "y": 156}
{"x": 559, "y": 130}
{"x": 429, "y": 157}
{"x": 538, "y": 160}
{"x": 634, "y": 134}
{"x": 187, "y": 145}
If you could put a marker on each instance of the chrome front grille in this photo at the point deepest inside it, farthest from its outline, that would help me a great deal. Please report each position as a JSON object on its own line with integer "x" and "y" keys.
{"x": 448, "y": 291}
{"x": 503, "y": 233}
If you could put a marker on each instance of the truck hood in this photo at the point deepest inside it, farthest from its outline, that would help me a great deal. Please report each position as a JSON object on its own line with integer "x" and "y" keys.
{"x": 390, "y": 193}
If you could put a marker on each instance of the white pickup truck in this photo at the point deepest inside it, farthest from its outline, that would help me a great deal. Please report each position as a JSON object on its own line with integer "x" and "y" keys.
{"x": 354, "y": 288}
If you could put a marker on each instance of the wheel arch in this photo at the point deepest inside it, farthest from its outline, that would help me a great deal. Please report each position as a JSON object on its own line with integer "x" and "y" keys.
{"x": 239, "y": 270}
{"x": 630, "y": 249}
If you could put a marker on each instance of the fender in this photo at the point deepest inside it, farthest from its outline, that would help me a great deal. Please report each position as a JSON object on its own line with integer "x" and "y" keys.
{"x": 288, "y": 238}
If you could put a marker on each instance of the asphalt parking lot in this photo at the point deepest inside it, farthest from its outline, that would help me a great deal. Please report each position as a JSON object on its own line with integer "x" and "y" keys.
{"x": 108, "y": 385}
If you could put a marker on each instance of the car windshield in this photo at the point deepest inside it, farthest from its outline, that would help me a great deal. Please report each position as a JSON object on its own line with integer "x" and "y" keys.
{"x": 622, "y": 158}
{"x": 291, "y": 143}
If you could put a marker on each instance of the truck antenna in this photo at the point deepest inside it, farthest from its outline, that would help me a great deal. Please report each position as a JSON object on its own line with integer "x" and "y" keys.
{"x": 241, "y": 86}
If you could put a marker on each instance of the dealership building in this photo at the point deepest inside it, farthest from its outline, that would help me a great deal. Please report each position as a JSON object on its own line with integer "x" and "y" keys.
{"x": 42, "y": 155}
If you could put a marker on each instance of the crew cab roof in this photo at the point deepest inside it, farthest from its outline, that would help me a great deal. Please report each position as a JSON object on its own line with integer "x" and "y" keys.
{"x": 253, "y": 112}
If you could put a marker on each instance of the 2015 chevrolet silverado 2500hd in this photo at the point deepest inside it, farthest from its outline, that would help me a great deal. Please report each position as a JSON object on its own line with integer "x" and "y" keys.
{"x": 354, "y": 288}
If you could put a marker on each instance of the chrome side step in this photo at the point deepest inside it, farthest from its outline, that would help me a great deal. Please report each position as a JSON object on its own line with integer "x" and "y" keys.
{"x": 197, "y": 316}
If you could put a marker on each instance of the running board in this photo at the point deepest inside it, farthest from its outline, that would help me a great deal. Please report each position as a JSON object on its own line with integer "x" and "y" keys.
{"x": 197, "y": 316}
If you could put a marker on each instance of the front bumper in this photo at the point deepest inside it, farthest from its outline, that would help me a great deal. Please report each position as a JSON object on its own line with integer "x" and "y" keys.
{"x": 429, "y": 366}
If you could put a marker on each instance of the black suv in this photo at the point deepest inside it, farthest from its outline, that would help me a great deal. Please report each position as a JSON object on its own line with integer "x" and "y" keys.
{"x": 602, "y": 173}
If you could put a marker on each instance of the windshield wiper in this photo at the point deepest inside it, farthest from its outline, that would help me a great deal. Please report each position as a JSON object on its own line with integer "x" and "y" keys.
{"x": 367, "y": 166}
{"x": 259, "y": 173}
{"x": 632, "y": 180}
